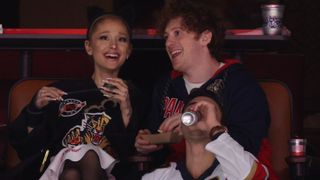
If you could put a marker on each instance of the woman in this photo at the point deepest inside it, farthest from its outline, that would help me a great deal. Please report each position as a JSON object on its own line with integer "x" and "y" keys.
{"x": 75, "y": 120}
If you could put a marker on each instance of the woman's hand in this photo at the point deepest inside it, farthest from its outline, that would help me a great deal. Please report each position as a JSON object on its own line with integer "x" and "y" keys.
{"x": 117, "y": 89}
{"x": 47, "y": 94}
{"x": 144, "y": 146}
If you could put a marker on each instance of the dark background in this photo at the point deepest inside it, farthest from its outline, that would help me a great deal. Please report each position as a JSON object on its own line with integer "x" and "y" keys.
{"x": 301, "y": 17}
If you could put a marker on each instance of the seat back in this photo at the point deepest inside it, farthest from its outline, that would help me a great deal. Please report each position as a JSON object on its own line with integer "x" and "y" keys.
{"x": 20, "y": 95}
{"x": 280, "y": 105}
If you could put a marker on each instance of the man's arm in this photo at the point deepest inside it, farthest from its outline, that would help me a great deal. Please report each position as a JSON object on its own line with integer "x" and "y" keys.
{"x": 246, "y": 111}
{"x": 236, "y": 163}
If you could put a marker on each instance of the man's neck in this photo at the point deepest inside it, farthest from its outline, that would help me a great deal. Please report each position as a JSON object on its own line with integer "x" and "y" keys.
{"x": 198, "y": 160}
{"x": 202, "y": 71}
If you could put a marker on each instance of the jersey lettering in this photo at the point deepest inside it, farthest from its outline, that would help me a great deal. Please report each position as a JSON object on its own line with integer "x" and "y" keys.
{"x": 172, "y": 106}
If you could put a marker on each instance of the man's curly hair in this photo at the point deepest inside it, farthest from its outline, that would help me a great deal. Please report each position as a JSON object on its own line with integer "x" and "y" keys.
{"x": 197, "y": 16}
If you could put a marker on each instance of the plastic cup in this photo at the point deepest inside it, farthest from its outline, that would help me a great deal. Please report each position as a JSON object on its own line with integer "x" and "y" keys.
{"x": 272, "y": 15}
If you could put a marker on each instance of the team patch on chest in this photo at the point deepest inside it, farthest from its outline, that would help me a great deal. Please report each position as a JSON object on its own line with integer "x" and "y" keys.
{"x": 90, "y": 132}
{"x": 70, "y": 107}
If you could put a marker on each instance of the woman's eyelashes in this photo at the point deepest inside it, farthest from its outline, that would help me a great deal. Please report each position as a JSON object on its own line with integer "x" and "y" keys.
{"x": 104, "y": 37}
{"x": 121, "y": 39}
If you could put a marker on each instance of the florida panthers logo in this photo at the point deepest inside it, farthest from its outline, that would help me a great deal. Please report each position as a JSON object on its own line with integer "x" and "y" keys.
{"x": 70, "y": 107}
{"x": 90, "y": 132}
{"x": 217, "y": 87}
{"x": 73, "y": 137}
{"x": 95, "y": 125}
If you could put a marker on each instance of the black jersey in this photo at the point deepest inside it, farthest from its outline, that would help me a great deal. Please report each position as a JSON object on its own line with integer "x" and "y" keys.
{"x": 84, "y": 116}
{"x": 244, "y": 103}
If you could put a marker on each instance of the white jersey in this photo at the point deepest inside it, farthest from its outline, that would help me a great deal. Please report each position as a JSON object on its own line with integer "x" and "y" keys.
{"x": 234, "y": 163}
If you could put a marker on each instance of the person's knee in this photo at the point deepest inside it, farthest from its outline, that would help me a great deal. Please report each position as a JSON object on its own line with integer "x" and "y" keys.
{"x": 91, "y": 168}
{"x": 90, "y": 157}
{"x": 70, "y": 174}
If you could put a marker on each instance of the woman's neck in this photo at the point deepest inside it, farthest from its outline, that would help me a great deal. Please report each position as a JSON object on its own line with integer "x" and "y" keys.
{"x": 99, "y": 77}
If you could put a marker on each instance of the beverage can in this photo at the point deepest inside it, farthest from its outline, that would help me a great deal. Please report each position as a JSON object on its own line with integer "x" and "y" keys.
{"x": 189, "y": 118}
{"x": 298, "y": 146}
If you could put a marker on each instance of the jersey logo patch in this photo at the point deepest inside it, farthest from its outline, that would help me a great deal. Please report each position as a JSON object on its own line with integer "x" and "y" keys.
{"x": 94, "y": 124}
{"x": 217, "y": 88}
{"x": 70, "y": 107}
{"x": 90, "y": 132}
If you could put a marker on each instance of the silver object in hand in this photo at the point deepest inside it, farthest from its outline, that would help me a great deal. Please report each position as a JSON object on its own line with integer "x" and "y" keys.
{"x": 190, "y": 117}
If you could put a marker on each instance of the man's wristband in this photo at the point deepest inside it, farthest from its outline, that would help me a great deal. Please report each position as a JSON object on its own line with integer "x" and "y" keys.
{"x": 216, "y": 131}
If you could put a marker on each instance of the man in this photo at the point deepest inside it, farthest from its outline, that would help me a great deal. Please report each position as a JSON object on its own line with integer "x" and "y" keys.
{"x": 210, "y": 151}
{"x": 192, "y": 38}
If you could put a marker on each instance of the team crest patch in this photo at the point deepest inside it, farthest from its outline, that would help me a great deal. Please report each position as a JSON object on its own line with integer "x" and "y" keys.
{"x": 90, "y": 132}
{"x": 94, "y": 125}
{"x": 216, "y": 87}
{"x": 70, "y": 107}
{"x": 73, "y": 137}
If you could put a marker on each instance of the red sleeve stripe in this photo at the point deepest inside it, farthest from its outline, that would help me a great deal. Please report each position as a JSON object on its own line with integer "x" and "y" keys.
{"x": 261, "y": 172}
{"x": 258, "y": 171}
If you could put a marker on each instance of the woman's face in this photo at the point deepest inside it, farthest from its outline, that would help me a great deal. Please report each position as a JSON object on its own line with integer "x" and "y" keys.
{"x": 109, "y": 45}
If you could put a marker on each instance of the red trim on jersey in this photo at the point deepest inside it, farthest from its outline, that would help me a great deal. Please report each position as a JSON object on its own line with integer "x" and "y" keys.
{"x": 260, "y": 172}
{"x": 228, "y": 62}
{"x": 264, "y": 156}
{"x": 175, "y": 74}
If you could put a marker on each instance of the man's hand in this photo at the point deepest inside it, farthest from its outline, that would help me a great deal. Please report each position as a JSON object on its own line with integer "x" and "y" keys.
{"x": 171, "y": 124}
{"x": 144, "y": 146}
{"x": 209, "y": 110}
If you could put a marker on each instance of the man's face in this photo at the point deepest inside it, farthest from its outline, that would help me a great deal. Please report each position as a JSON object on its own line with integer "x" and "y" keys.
{"x": 209, "y": 114}
{"x": 182, "y": 46}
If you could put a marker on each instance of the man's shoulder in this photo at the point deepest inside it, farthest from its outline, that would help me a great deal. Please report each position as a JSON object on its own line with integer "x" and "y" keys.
{"x": 236, "y": 73}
